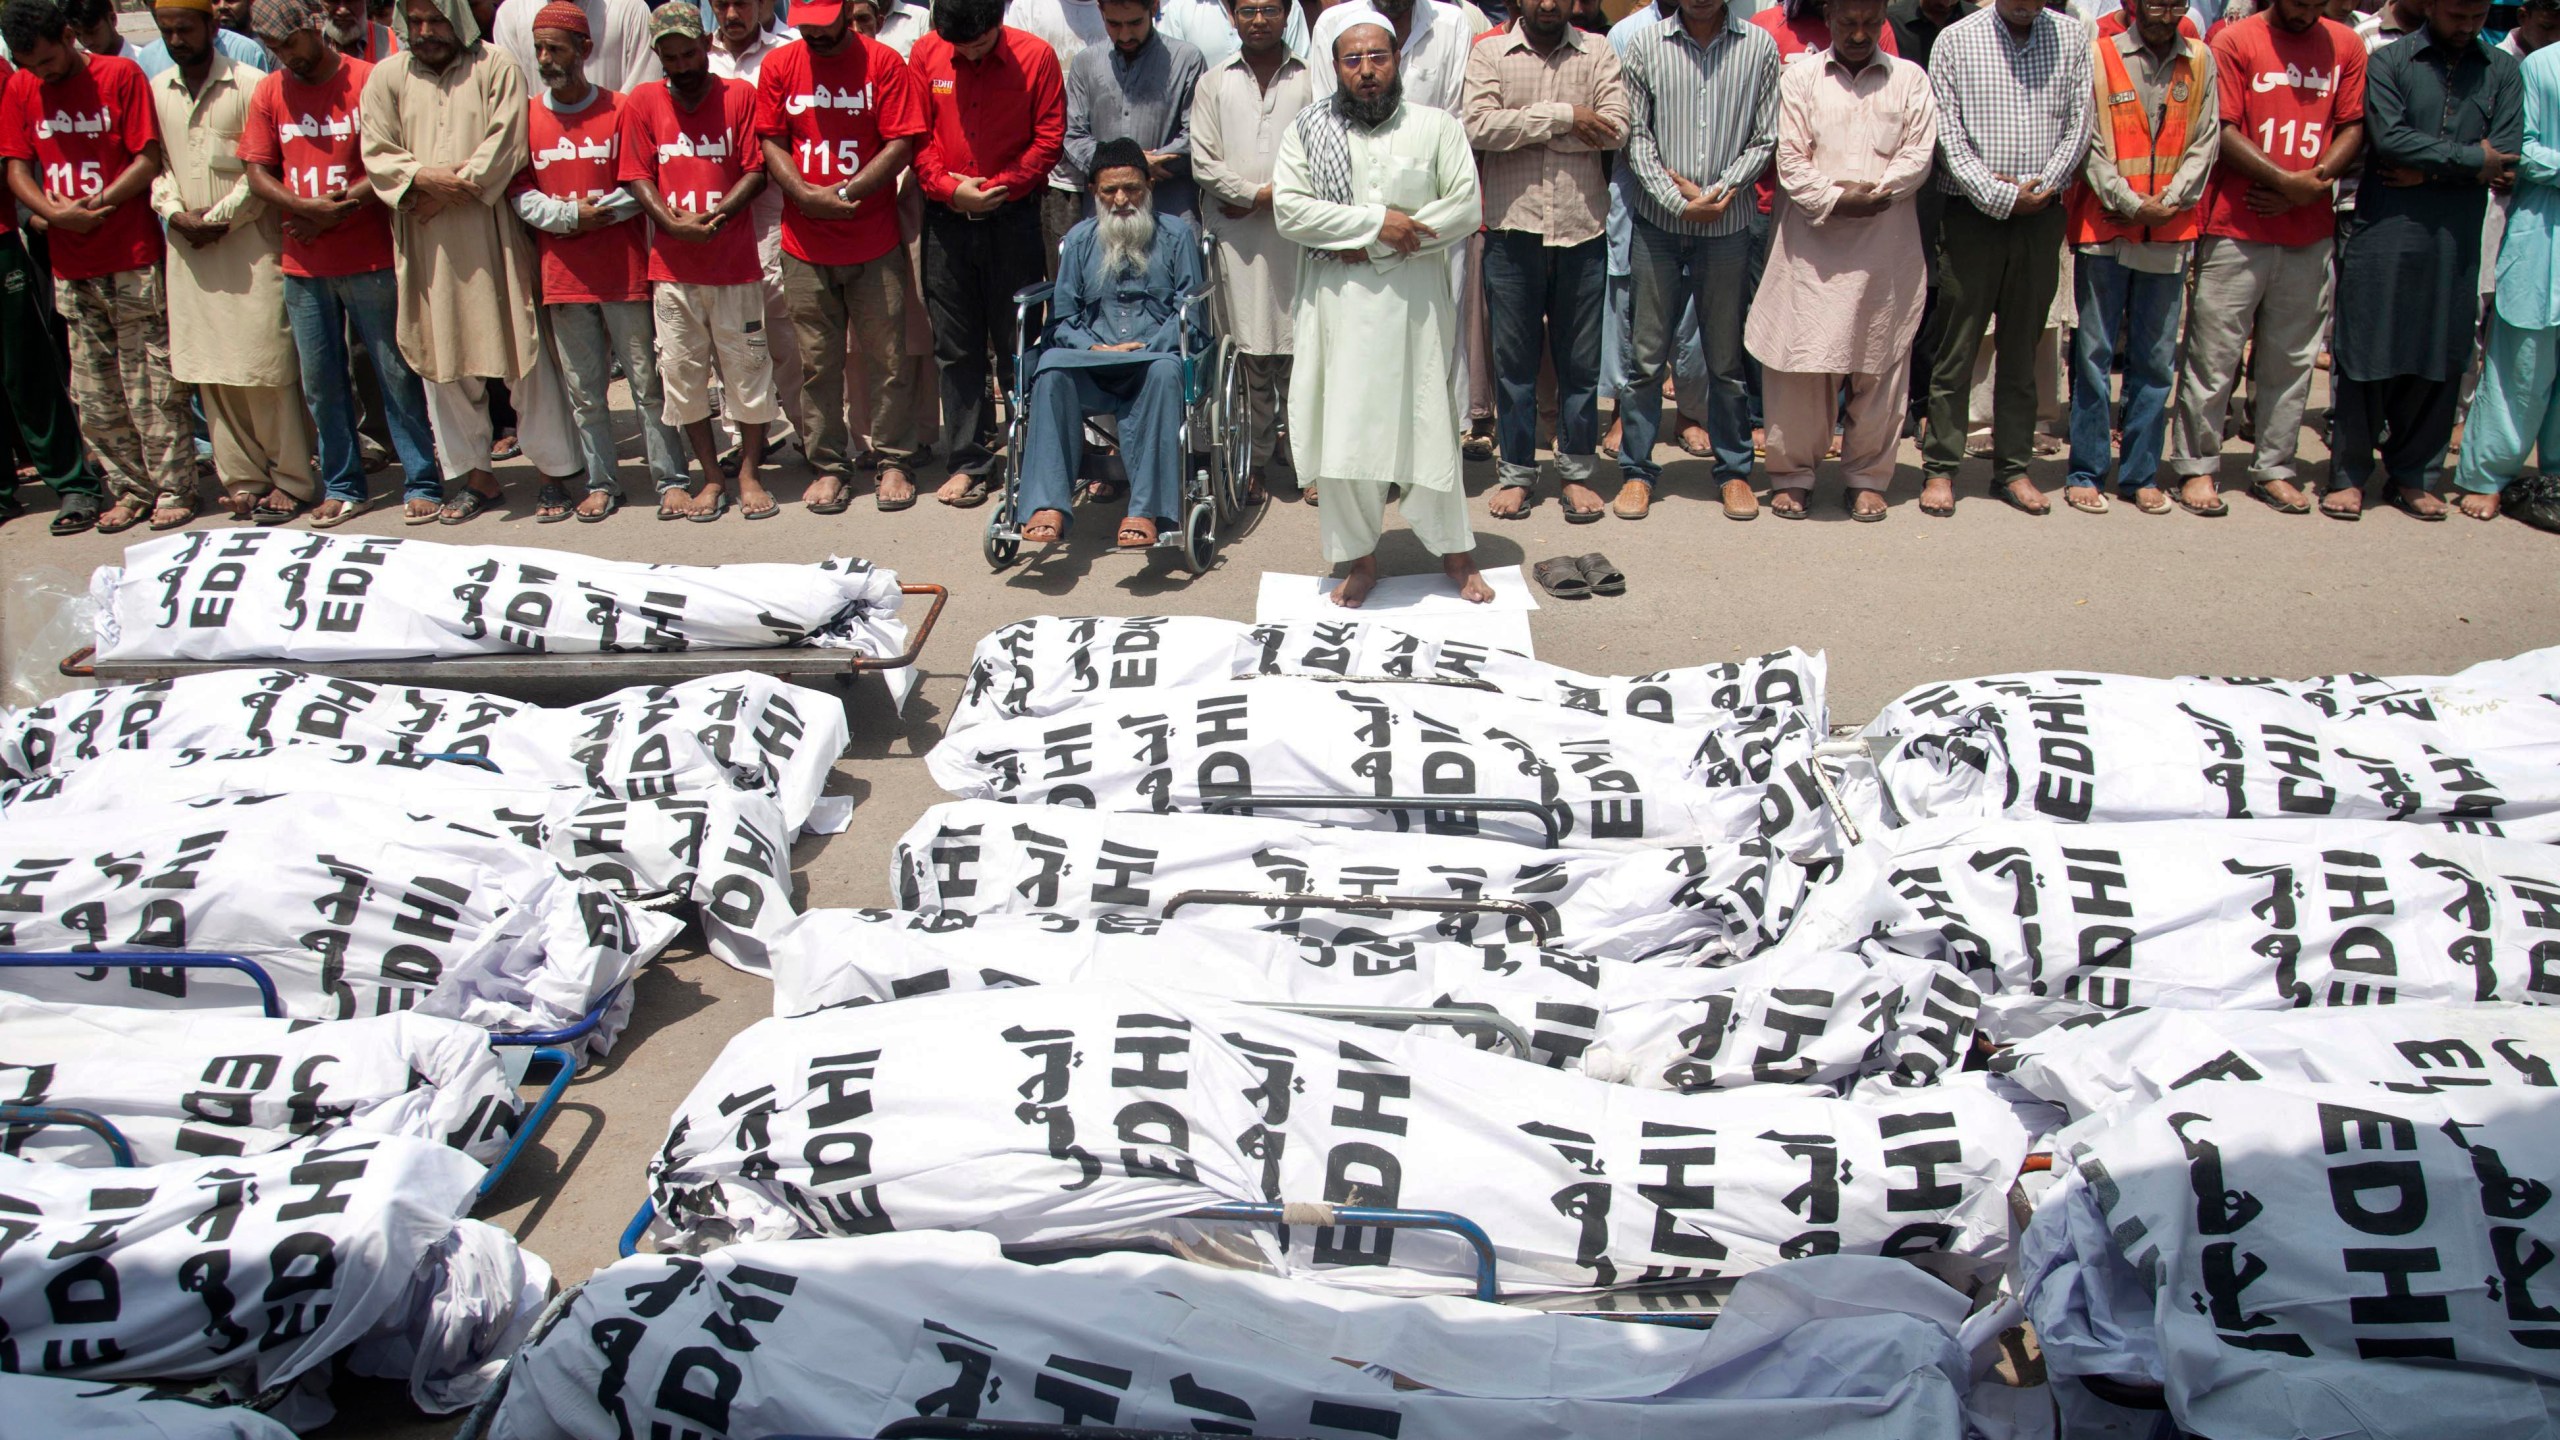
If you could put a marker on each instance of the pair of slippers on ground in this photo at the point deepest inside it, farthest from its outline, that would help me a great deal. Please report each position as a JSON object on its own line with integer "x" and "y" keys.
{"x": 1578, "y": 577}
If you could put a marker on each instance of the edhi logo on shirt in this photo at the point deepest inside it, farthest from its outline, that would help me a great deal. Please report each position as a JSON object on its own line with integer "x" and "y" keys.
{"x": 63, "y": 122}
{"x": 2267, "y": 81}
{"x": 821, "y": 98}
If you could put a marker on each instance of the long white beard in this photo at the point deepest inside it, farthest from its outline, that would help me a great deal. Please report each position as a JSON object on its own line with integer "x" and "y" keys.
{"x": 1126, "y": 239}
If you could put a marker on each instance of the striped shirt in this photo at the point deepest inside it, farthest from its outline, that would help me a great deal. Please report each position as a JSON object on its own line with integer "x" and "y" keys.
{"x": 1707, "y": 113}
{"x": 2007, "y": 107}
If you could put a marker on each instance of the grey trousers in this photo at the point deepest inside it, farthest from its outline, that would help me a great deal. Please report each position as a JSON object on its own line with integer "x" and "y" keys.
{"x": 1266, "y": 399}
{"x": 2282, "y": 293}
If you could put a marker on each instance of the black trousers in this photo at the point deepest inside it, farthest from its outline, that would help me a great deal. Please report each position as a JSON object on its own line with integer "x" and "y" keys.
{"x": 2407, "y": 419}
{"x": 971, "y": 270}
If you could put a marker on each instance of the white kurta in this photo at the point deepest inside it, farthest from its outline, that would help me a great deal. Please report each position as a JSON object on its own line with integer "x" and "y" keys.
{"x": 226, "y": 300}
{"x": 1236, "y": 130}
{"x": 1374, "y": 392}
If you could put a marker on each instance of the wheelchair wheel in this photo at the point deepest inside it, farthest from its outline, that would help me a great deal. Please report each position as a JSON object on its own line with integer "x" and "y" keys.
{"x": 1000, "y": 548}
{"x": 1235, "y": 438}
{"x": 1200, "y": 536}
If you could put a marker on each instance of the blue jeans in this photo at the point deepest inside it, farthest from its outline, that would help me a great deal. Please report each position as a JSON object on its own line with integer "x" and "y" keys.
{"x": 1146, "y": 393}
{"x": 588, "y": 339}
{"x": 1543, "y": 300}
{"x": 1617, "y": 349}
{"x": 1709, "y": 271}
{"x": 2144, "y": 309}
{"x": 320, "y": 310}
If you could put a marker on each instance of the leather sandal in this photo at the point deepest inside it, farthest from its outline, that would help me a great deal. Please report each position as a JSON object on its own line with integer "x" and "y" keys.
{"x": 1562, "y": 577}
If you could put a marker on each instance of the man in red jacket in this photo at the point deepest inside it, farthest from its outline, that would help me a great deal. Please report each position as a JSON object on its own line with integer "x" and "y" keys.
{"x": 996, "y": 121}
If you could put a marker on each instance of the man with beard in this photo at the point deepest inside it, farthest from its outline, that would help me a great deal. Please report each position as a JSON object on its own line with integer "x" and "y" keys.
{"x": 689, "y": 152}
{"x": 85, "y": 183}
{"x": 227, "y": 331}
{"x": 1544, "y": 103}
{"x": 444, "y": 132}
{"x": 304, "y": 158}
{"x": 618, "y": 53}
{"x": 354, "y": 33}
{"x": 1378, "y": 191}
{"x": 588, "y": 233}
{"x": 1138, "y": 88}
{"x": 1115, "y": 333}
{"x": 838, "y": 115}
{"x": 2444, "y": 116}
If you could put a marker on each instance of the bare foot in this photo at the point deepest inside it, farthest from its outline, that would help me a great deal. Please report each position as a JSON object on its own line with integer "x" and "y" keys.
{"x": 2480, "y": 506}
{"x": 2345, "y": 503}
{"x": 1362, "y": 578}
{"x": 2023, "y": 493}
{"x": 1694, "y": 440}
{"x": 694, "y": 502}
{"x": 823, "y": 490}
{"x": 2283, "y": 494}
{"x": 329, "y": 509}
{"x": 122, "y": 515}
{"x": 2421, "y": 503}
{"x": 419, "y": 508}
{"x": 236, "y": 503}
{"x": 1462, "y": 572}
{"x": 594, "y": 502}
{"x": 1867, "y": 504}
{"x": 1581, "y": 499}
{"x": 1789, "y": 503}
{"x": 894, "y": 487}
{"x": 1938, "y": 495}
{"x": 1508, "y": 502}
{"x": 751, "y": 492}
{"x": 1609, "y": 442}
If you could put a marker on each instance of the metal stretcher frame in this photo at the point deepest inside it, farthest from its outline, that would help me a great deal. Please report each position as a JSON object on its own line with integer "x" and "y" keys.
{"x": 1538, "y": 921}
{"x": 20, "y": 1120}
{"x": 1315, "y": 1213}
{"x": 462, "y": 671}
{"x": 546, "y": 1044}
{"x": 1248, "y": 801}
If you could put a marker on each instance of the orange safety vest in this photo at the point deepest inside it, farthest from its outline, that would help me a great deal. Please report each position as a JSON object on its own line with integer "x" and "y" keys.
{"x": 2145, "y": 160}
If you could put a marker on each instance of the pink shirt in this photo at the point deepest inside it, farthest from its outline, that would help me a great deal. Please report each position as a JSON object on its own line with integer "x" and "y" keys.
{"x": 1842, "y": 295}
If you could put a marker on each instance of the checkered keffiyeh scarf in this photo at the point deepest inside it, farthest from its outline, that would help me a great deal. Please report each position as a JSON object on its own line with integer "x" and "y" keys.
{"x": 1326, "y": 135}
{"x": 284, "y": 17}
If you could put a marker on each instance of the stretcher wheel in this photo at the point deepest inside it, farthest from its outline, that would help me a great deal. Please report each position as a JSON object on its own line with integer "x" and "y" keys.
{"x": 1000, "y": 548}
{"x": 1200, "y": 536}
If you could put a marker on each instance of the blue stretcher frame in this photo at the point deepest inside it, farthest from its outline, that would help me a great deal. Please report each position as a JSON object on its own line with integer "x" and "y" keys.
{"x": 547, "y": 1045}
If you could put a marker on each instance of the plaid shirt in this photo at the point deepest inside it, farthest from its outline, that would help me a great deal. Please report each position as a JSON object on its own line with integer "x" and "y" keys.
{"x": 1706, "y": 113}
{"x": 1518, "y": 109}
{"x": 2011, "y": 107}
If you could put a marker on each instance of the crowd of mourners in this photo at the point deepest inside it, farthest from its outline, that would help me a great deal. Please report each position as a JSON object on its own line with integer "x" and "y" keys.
{"x": 295, "y": 241}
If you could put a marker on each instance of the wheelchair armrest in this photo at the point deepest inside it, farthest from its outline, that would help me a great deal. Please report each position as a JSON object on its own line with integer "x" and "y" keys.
{"x": 1035, "y": 294}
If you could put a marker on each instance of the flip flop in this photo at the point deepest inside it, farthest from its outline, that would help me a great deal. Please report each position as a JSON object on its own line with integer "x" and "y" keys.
{"x": 1524, "y": 511}
{"x": 2087, "y": 499}
{"x": 1781, "y": 511}
{"x": 186, "y": 516}
{"x": 973, "y": 495}
{"x": 2161, "y": 508}
{"x": 2000, "y": 489}
{"x": 429, "y": 518}
{"x": 665, "y": 511}
{"x": 2219, "y": 508}
{"x": 886, "y": 505}
{"x": 74, "y": 514}
{"x": 1562, "y": 577}
{"x": 2399, "y": 501}
{"x": 347, "y": 510}
{"x": 1605, "y": 578}
{"x": 612, "y": 502}
{"x": 2259, "y": 492}
{"x": 2350, "y": 516}
{"x": 719, "y": 507}
{"x": 771, "y": 508}
{"x": 836, "y": 505}
{"x": 118, "y": 527}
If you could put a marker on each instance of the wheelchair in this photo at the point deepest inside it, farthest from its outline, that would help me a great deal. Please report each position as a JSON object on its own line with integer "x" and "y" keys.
{"x": 1216, "y": 439}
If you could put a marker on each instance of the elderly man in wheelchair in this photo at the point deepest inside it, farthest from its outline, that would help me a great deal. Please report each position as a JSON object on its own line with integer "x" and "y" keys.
{"x": 1115, "y": 344}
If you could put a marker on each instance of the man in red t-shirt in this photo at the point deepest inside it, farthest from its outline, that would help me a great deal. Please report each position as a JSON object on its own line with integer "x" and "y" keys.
{"x": 48, "y": 430}
{"x": 689, "y": 154}
{"x": 996, "y": 108}
{"x": 2291, "y": 84}
{"x": 595, "y": 264}
{"x": 82, "y": 145}
{"x": 839, "y": 114}
{"x": 304, "y": 156}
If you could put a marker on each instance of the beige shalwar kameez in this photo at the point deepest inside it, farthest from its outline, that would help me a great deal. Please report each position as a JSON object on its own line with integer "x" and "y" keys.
{"x": 227, "y": 331}
{"x": 1841, "y": 298}
{"x": 467, "y": 274}
{"x": 1236, "y": 129}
